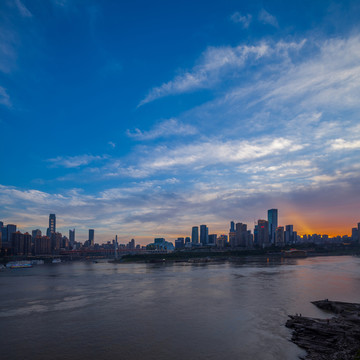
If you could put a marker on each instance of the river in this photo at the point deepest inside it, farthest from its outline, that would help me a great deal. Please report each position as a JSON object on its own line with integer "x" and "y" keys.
{"x": 86, "y": 310}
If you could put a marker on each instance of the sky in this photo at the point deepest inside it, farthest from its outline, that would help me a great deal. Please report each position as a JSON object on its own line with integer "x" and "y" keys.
{"x": 144, "y": 119}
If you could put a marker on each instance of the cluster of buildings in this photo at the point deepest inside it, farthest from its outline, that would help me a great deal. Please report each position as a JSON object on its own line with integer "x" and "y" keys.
{"x": 14, "y": 242}
{"x": 266, "y": 233}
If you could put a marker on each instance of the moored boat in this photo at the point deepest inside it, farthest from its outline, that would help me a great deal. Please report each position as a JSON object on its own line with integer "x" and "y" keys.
{"x": 18, "y": 264}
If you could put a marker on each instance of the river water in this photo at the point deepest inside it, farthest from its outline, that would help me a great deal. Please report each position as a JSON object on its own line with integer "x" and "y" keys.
{"x": 85, "y": 310}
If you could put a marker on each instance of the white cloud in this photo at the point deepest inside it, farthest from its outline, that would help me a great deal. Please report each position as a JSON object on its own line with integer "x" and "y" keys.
{"x": 204, "y": 154}
{"x": 266, "y": 18}
{"x": 75, "y": 161}
{"x": 164, "y": 129}
{"x": 112, "y": 144}
{"x": 245, "y": 20}
{"x": 341, "y": 144}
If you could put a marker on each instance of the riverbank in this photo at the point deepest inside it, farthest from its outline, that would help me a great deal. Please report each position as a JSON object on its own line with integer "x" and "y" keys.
{"x": 207, "y": 255}
{"x": 329, "y": 339}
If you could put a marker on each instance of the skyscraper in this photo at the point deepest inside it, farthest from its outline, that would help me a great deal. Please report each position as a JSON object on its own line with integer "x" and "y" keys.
{"x": 289, "y": 234}
{"x": 35, "y": 234}
{"x": 273, "y": 223}
{"x": 72, "y": 237}
{"x": 263, "y": 233}
{"x": 195, "y": 235}
{"x": 52, "y": 225}
{"x": 91, "y": 237}
{"x": 204, "y": 234}
{"x": 279, "y": 236}
{"x": 10, "y": 229}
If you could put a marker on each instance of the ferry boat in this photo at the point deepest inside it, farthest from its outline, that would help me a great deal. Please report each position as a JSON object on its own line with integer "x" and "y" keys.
{"x": 56, "y": 261}
{"x": 18, "y": 264}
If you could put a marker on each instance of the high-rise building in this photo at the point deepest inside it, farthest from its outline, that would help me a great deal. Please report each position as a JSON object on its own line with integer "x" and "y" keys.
{"x": 10, "y": 229}
{"x": 71, "y": 237}
{"x": 241, "y": 235}
{"x": 358, "y": 232}
{"x": 3, "y": 233}
{"x": 91, "y": 237}
{"x": 131, "y": 244}
{"x": 289, "y": 234}
{"x": 221, "y": 241}
{"x": 56, "y": 242}
{"x": 232, "y": 234}
{"x": 256, "y": 231}
{"x": 263, "y": 233}
{"x": 42, "y": 245}
{"x": 179, "y": 243}
{"x": 20, "y": 243}
{"x": 204, "y": 234}
{"x": 212, "y": 239}
{"x": 52, "y": 223}
{"x": 35, "y": 233}
{"x": 273, "y": 223}
{"x": 279, "y": 236}
{"x": 195, "y": 235}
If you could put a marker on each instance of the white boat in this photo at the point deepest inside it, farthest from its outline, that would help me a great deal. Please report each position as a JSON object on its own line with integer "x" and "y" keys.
{"x": 37, "y": 262}
{"x": 56, "y": 261}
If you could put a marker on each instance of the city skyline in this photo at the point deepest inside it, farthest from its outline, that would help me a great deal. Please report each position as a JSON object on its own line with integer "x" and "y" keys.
{"x": 197, "y": 234}
{"x": 137, "y": 118}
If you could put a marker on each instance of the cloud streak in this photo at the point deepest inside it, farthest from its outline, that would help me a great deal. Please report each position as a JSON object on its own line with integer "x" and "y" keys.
{"x": 216, "y": 63}
{"x": 165, "y": 128}
{"x": 74, "y": 161}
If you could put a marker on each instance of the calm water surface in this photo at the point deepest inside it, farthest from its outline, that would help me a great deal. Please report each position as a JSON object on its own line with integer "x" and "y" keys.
{"x": 166, "y": 311}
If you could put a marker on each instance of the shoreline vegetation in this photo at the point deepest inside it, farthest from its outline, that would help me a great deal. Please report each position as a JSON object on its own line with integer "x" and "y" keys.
{"x": 202, "y": 255}
{"x": 206, "y": 255}
{"x": 334, "y": 338}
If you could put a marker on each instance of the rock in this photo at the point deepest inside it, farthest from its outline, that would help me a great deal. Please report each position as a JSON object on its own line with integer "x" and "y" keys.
{"x": 331, "y": 339}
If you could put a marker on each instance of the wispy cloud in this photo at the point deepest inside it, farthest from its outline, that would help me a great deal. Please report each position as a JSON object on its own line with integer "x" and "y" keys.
{"x": 165, "y": 128}
{"x": 244, "y": 20}
{"x": 266, "y": 18}
{"x": 215, "y": 65}
{"x": 8, "y": 53}
{"x": 75, "y": 161}
{"x": 4, "y": 97}
{"x": 23, "y": 10}
{"x": 112, "y": 144}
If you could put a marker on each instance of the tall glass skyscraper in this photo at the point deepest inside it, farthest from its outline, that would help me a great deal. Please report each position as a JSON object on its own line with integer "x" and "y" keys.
{"x": 273, "y": 223}
{"x": 91, "y": 237}
{"x": 204, "y": 234}
{"x": 195, "y": 235}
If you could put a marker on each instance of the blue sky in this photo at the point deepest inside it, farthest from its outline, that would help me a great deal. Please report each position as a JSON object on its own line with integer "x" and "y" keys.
{"x": 146, "y": 118}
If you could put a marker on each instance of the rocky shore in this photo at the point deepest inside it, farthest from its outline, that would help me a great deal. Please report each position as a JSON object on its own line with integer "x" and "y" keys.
{"x": 335, "y": 338}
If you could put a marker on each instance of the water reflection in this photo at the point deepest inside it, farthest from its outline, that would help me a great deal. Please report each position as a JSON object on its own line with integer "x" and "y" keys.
{"x": 159, "y": 311}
